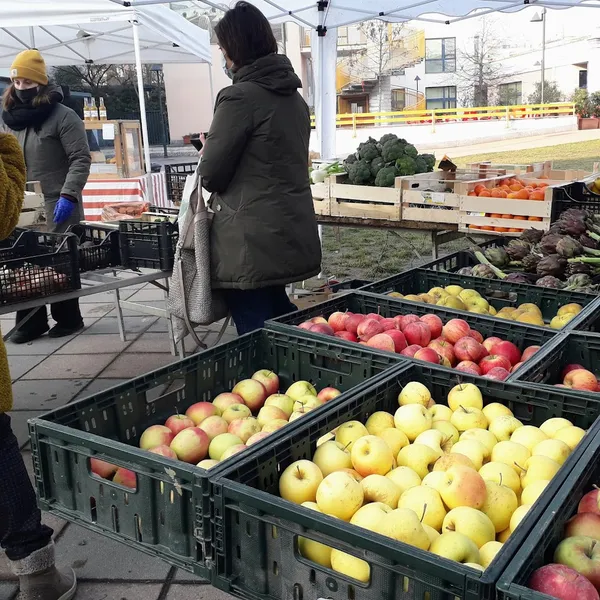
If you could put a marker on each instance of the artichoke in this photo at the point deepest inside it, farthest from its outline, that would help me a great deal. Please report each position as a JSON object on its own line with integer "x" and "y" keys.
{"x": 518, "y": 249}
{"x": 553, "y": 265}
{"x": 572, "y": 226}
{"x": 530, "y": 262}
{"x": 517, "y": 278}
{"x": 550, "y": 282}
{"x": 576, "y": 213}
{"x": 533, "y": 236}
{"x": 465, "y": 271}
{"x": 497, "y": 256}
{"x": 587, "y": 242}
{"x": 579, "y": 280}
{"x": 483, "y": 271}
{"x": 574, "y": 268}
{"x": 548, "y": 243}
{"x": 567, "y": 247}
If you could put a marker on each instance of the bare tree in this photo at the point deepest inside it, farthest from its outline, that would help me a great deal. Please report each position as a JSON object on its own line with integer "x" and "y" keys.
{"x": 86, "y": 77}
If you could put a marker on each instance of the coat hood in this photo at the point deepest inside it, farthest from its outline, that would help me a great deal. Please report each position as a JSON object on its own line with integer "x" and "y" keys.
{"x": 273, "y": 72}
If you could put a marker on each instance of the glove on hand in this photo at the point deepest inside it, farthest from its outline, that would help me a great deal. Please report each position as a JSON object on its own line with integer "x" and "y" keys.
{"x": 63, "y": 210}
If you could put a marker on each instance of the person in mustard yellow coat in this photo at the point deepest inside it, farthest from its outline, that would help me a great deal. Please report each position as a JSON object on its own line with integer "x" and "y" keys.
{"x": 27, "y": 543}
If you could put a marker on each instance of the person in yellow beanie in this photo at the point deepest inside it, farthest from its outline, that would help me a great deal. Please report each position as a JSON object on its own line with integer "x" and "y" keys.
{"x": 27, "y": 543}
{"x": 54, "y": 141}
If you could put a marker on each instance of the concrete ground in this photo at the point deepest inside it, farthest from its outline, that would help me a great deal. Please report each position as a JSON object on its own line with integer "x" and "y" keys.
{"x": 50, "y": 373}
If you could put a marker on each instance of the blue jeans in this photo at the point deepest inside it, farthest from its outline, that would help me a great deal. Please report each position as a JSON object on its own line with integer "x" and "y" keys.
{"x": 251, "y": 308}
{"x": 21, "y": 529}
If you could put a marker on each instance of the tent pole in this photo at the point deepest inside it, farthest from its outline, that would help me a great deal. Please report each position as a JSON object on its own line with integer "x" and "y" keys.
{"x": 144, "y": 120}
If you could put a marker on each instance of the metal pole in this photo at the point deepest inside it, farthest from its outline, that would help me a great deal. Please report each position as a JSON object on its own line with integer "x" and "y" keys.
{"x": 162, "y": 114}
{"x": 543, "y": 53}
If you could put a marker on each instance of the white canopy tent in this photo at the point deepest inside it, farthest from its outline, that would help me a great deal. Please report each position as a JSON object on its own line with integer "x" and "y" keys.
{"x": 76, "y": 32}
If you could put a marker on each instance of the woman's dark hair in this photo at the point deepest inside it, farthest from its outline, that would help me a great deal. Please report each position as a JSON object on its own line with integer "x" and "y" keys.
{"x": 9, "y": 98}
{"x": 245, "y": 34}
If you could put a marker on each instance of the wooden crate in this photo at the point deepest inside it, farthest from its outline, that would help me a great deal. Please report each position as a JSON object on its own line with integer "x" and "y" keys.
{"x": 321, "y": 197}
{"x": 557, "y": 175}
{"x": 539, "y": 168}
{"x": 33, "y": 205}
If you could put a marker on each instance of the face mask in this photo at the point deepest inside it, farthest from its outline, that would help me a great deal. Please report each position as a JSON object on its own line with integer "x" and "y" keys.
{"x": 26, "y": 96}
{"x": 226, "y": 69}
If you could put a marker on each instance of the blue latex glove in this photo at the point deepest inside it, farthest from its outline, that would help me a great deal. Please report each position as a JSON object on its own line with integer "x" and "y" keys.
{"x": 63, "y": 210}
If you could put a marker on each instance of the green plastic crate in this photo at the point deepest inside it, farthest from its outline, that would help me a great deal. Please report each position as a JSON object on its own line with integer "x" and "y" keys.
{"x": 499, "y": 293}
{"x": 538, "y": 548}
{"x": 167, "y": 512}
{"x": 256, "y": 555}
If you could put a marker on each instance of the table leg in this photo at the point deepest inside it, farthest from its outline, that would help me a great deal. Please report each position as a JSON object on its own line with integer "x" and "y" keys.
{"x": 119, "y": 310}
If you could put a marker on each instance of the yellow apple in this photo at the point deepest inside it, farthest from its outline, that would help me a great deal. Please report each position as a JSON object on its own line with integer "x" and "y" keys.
{"x": 414, "y": 393}
{"x": 432, "y": 534}
{"x": 471, "y": 522}
{"x": 512, "y": 454}
{"x": 495, "y": 409}
{"x": 538, "y": 468}
{"x": 349, "y": 432}
{"x": 555, "y": 449}
{"x": 371, "y": 455}
{"x": 551, "y": 426}
{"x": 500, "y": 503}
{"x": 369, "y": 515}
{"x": 313, "y": 550}
{"x": 487, "y": 438}
{"x": 465, "y": 395}
{"x": 456, "y": 546}
{"x": 533, "y": 491}
{"x": 426, "y": 503}
{"x": 404, "y": 525}
{"x": 332, "y": 456}
{"x": 518, "y": 516}
{"x": 340, "y": 495}
{"x": 528, "y": 436}
{"x": 447, "y": 429}
{"x": 351, "y": 566}
{"x": 435, "y": 439}
{"x": 300, "y": 389}
{"x": 312, "y": 506}
{"x": 502, "y": 474}
{"x": 503, "y": 536}
{"x": 305, "y": 402}
{"x": 412, "y": 419}
{"x": 418, "y": 457}
{"x": 449, "y": 460}
{"x": 285, "y": 403}
{"x": 468, "y": 418}
{"x": 570, "y": 435}
{"x": 463, "y": 487}
{"x": 379, "y": 421}
{"x": 325, "y": 438}
{"x": 434, "y": 479}
{"x": 378, "y": 488}
{"x": 475, "y": 566}
{"x": 488, "y": 552}
{"x": 394, "y": 438}
{"x": 504, "y": 426}
{"x": 300, "y": 481}
{"x": 405, "y": 478}
{"x": 473, "y": 449}
{"x": 440, "y": 412}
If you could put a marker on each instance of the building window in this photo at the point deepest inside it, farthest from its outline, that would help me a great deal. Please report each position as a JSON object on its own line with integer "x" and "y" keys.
{"x": 510, "y": 93}
{"x": 343, "y": 36}
{"x": 398, "y": 99}
{"x": 440, "y": 55}
{"x": 440, "y": 97}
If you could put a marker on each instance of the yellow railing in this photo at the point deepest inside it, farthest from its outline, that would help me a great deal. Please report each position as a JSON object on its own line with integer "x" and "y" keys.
{"x": 433, "y": 117}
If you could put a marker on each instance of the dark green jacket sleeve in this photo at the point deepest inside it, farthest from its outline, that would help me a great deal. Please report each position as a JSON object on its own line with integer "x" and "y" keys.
{"x": 74, "y": 141}
{"x": 228, "y": 135}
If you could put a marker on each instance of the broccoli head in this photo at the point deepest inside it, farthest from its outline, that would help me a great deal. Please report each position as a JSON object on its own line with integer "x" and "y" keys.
{"x": 376, "y": 165}
{"x": 406, "y": 165}
{"x": 386, "y": 177}
{"x": 392, "y": 150}
{"x": 360, "y": 172}
{"x": 411, "y": 151}
{"x": 386, "y": 138}
{"x": 351, "y": 159}
{"x": 421, "y": 165}
{"x": 368, "y": 150}
{"x": 430, "y": 158}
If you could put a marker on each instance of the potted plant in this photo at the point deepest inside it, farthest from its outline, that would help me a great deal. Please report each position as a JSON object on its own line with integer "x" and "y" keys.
{"x": 584, "y": 109}
{"x": 188, "y": 137}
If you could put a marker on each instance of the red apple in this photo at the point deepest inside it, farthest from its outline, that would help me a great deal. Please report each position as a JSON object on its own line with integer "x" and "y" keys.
{"x": 455, "y": 329}
{"x": 569, "y": 368}
{"x": 257, "y": 437}
{"x": 497, "y": 373}
{"x": 327, "y": 394}
{"x": 368, "y": 328}
{"x": 563, "y": 583}
{"x": 405, "y": 320}
{"x": 225, "y": 400}
{"x": 157, "y": 435}
{"x": 253, "y": 393}
{"x": 590, "y": 503}
{"x": 467, "y": 348}
{"x": 375, "y": 316}
{"x": 388, "y": 323}
{"x": 191, "y": 445}
{"x": 508, "y": 349}
{"x": 476, "y": 335}
{"x": 337, "y": 320}
{"x": 445, "y": 362}
{"x": 125, "y": 477}
{"x": 489, "y": 342}
{"x": 492, "y": 361}
{"x": 417, "y": 333}
{"x": 517, "y": 366}
{"x": 398, "y": 339}
{"x": 346, "y": 335}
{"x": 410, "y": 351}
{"x": 322, "y": 328}
{"x": 353, "y": 321}
{"x": 316, "y": 320}
{"x": 444, "y": 349}
{"x": 581, "y": 379}
{"x": 529, "y": 352}
{"x": 435, "y": 325}
{"x": 102, "y": 468}
{"x": 581, "y": 553}
{"x": 269, "y": 380}
{"x": 467, "y": 366}
{"x": 428, "y": 355}
{"x": 306, "y": 325}
{"x": 214, "y": 426}
{"x": 201, "y": 410}
{"x": 177, "y": 423}
{"x": 164, "y": 451}
{"x": 382, "y": 341}
{"x": 583, "y": 524}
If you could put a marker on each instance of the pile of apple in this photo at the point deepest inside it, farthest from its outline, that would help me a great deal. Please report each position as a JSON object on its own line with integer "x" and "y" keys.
{"x": 577, "y": 377}
{"x": 427, "y": 338}
{"x": 211, "y": 432}
{"x": 453, "y": 479}
{"x": 575, "y": 573}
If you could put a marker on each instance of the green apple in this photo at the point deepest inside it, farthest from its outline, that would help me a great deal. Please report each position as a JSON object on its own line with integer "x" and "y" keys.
{"x": 471, "y": 522}
{"x": 488, "y": 552}
{"x": 285, "y": 403}
{"x": 220, "y": 443}
{"x": 299, "y": 389}
{"x": 305, "y": 402}
{"x": 465, "y": 395}
{"x": 456, "y": 546}
{"x": 581, "y": 553}
{"x": 414, "y": 393}
{"x": 299, "y": 482}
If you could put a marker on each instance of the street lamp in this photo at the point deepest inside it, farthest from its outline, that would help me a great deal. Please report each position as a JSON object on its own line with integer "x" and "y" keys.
{"x": 541, "y": 18}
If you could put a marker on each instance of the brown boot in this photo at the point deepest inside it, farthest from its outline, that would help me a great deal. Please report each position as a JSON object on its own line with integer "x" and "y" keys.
{"x": 39, "y": 578}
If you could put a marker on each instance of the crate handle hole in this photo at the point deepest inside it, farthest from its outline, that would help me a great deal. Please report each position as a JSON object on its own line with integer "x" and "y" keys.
{"x": 274, "y": 532}
{"x": 275, "y": 568}
{"x": 238, "y": 552}
{"x": 405, "y": 584}
{"x": 312, "y": 576}
{"x": 161, "y": 516}
{"x": 56, "y": 456}
{"x": 93, "y": 511}
{"x": 115, "y": 518}
{"x": 298, "y": 595}
{"x": 138, "y": 527}
{"x": 248, "y": 529}
{"x": 351, "y": 592}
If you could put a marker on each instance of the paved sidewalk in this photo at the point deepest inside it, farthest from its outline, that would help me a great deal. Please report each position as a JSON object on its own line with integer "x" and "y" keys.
{"x": 51, "y": 373}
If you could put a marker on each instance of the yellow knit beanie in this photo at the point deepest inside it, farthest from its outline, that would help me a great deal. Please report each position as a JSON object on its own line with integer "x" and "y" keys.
{"x": 29, "y": 64}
